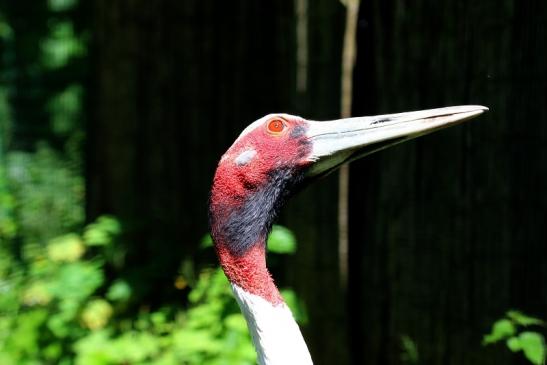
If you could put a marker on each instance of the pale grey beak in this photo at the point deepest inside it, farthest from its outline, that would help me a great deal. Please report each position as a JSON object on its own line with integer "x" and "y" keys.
{"x": 343, "y": 140}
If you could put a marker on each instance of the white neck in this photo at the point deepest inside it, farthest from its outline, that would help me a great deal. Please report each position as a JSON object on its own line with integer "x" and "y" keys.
{"x": 274, "y": 331}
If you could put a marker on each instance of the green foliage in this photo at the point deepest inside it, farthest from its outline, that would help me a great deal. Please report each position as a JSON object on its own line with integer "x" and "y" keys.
{"x": 8, "y": 227}
{"x": 531, "y": 343}
{"x": 61, "y": 5}
{"x": 65, "y": 108}
{"x": 409, "y": 351}
{"x": 212, "y": 331}
{"x": 508, "y": 329}
{"x": 523, "y": 320}
{"x": 58, "y": 308}
{"x": 102, "y": 231}
{"x": 119, "y": 291}
{"x": 501, "y": 330}
{"x": 47, "y": 296}
{"x": 5, "y": 29}
{"x": 61, "y": 45}
{"x": 47, "y": 194}
{"x": 281, "y": 240}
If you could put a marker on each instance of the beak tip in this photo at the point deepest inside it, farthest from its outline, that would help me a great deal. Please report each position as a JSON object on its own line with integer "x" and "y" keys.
{"x": 475, "y": 110}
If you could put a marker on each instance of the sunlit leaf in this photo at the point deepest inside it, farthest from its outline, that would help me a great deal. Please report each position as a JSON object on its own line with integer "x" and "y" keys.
{"x": 206, "y": 241}
{"x": 281, "y": 240}
{"x": 134, "y": 347}
{"x": 500, "y": 330}
{"x": 196, "y": 341}
{"x": 67, "y": 248}
{"x": 96, "y": 314}
{"x": 102, "y": 231}
{"x": 513, "y": 343}
{"x": 158, "y": 318}
{"x": 59, "y": 325}
{"x": 94, "y": 349}
{"x": 523, "y": 319}
{"x": 36, "y": 294}
{"x": 61, "y": 45}
{"x": 53, "y": 351}
{"x": 120, "y": 290}
{"x": 77, "y": 281}
{"x": 109, "y": 224}
{"x": 236, "y": 322}
{"x": 533, "y": 346}
{"x": 25, "y": 336}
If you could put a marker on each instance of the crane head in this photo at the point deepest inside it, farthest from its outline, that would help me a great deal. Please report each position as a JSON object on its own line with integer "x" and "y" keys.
{"x": 276, "y": 155}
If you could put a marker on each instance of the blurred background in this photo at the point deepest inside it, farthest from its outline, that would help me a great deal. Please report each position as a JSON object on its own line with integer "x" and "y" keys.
{"x": 113, "y": 115}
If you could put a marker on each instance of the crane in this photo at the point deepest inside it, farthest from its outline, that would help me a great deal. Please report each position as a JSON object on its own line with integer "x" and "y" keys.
{"x": 271, "y": 159}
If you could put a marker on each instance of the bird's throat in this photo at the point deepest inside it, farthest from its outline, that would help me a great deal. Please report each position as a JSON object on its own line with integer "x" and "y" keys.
{"x": 240, "y": 226}
{"x": 249, "y": 271}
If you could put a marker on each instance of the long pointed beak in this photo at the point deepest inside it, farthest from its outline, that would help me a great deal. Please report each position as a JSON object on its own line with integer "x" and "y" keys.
{"x": 343, "y": 140}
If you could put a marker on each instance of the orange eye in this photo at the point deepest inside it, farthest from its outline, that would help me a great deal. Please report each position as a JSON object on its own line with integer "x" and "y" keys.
{"x": 276, "y": 126}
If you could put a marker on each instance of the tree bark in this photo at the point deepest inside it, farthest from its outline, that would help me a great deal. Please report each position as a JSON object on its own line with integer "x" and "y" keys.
{"x": 173, "y": 85}
{"x": 453, "y": 231}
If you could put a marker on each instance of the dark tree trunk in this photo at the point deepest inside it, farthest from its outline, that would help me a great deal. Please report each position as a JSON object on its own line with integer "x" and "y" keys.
{"x": 313, "y": 213}
{"x": 448, "y": 232}
{"x": 174, "y": 84}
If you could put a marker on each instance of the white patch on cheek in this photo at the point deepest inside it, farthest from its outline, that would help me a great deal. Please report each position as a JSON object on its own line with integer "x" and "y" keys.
{"x": 245, "y": 157}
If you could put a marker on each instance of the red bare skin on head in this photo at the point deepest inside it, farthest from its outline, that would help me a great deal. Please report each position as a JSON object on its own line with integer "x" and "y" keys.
{"x": 232, "y": 182}
{"x": 249, "y": 271}
{"x": 276, "y": 142}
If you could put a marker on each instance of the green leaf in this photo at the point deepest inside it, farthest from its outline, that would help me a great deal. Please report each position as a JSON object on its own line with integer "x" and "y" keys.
{"x": 61, "y": 45}
{"x": 533, "y": 346}
{"x": 76, "y": 281}
{"x": 120, "y": 290}
{"x": 409, "y": 353}
{"x": 236, "y": 322}
{"x": 25, "y": 337}
{"x": 67, "y": 248}
{"x": 65, "y": 109}
{"x": 523, "y": 319}
{"x": 94, "y": 349}
{"x": 513, "y": 343}
{"x": 500, "y": 330}
{"x": 102, "y": 232}
{"x": 96, "y": 314}
{"x": 281, "y": 240}
{"x": 109, "y": 224}
{"x": 136, "y": 347}
{"x": 62, "y": 5}
{"x": 36, "y": 293}
{"x": 206, "y": 241}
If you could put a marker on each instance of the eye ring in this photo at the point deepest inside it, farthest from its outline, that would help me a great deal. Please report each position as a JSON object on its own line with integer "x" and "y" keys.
{"x": 276, "y": 126}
